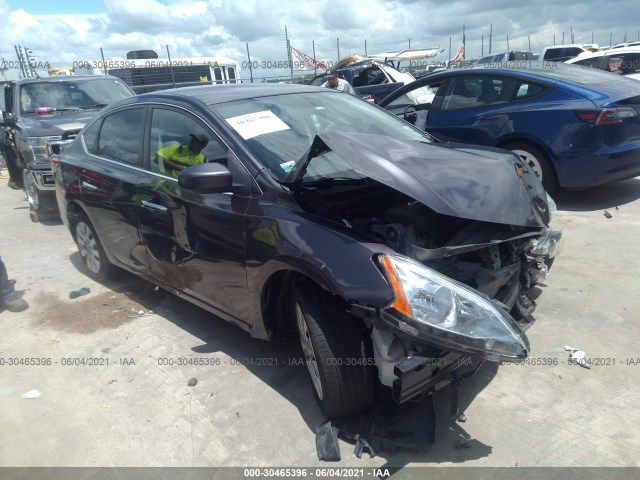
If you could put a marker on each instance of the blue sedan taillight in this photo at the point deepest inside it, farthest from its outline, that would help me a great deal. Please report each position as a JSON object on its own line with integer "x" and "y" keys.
{"x": 606, "y": 116}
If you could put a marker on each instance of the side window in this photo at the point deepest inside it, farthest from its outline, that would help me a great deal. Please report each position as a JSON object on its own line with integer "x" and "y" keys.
{"x": 182, "y": 140}
{"x": 217, "y": 73}
{"x": 121, "y": 136}
{"x": 528, "y": 90}
{"x": 232, "y": 75}
{"x": 629, "y": 63}
{"x": 90, "y": 135}
{"x": 459, "y": 94}
{"x": 421, "y": 96}
{"x": 572, "y": 52}
{"x": 552, "y": 54}
{"x": 472, "y": 92}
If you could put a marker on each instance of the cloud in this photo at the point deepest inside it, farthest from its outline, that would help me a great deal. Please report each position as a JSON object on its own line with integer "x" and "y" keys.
{"x": 222, "y": 27}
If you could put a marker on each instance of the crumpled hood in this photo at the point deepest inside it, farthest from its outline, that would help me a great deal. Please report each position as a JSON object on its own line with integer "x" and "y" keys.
{"x": 458, "y": 180}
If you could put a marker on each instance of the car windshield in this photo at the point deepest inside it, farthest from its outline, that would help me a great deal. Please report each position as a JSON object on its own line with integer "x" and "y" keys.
{"x": 71, "y": 95}
{"x": 279, "y": 129}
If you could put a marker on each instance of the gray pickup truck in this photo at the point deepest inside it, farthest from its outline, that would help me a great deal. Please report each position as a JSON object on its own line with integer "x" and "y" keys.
{"x": 41, "y": 116}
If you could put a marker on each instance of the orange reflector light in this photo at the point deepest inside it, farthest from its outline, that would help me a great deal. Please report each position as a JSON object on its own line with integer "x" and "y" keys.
{"x": 400, "y": 302}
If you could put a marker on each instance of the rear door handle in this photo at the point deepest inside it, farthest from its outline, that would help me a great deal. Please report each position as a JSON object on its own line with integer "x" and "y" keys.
{"x": 89, "y": 186}
{"x": 154, "y": 206}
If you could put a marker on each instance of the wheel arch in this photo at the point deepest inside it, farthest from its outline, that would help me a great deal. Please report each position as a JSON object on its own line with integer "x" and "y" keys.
{"x": 276, "y": 295}
{"x": 521, "y": 138}
{"x": 506, "y": 142}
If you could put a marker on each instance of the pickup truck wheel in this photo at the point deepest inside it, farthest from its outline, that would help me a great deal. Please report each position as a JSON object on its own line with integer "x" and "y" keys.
{"x": 30, "y": 187}
{"x": 95, "y": 261}
{"x": 336, "y": 351}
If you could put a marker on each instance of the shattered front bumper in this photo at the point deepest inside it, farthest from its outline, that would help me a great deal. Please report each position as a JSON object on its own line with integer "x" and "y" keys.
{"x": 420, "y": 374}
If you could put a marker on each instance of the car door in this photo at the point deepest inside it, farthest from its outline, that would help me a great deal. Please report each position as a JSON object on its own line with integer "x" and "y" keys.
{"x": 473, "y": 108}
{"x": 107, "y": 182}
{"x": 414, "y": 104}
{"x": 195, "y": 243}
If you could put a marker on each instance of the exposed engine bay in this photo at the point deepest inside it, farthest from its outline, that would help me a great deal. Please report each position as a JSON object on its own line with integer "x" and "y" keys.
{"x": 501, "y": 261}
{"x": 485, "y": 256}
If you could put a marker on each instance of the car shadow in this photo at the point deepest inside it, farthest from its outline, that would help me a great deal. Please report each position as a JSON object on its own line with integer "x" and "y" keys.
{"x": 598, "y": 198}
{"x": 279, "y": 365}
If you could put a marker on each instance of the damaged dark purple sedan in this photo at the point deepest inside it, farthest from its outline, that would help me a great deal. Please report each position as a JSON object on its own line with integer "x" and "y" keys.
{"x": 392, "y": 255}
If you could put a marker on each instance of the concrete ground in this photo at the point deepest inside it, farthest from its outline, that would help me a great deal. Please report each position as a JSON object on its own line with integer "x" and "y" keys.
{"x": 135, "y": 408}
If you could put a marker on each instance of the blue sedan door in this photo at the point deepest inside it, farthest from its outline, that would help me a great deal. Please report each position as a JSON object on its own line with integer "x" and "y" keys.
{"x": 473, "y": 109}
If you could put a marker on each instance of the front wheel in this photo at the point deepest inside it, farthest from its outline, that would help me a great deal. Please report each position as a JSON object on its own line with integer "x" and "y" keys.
{"x": 94, "y": 259}
{"x": 31, "y": 189}
{"x": 42, "y": 204}
{"x": 336, "y": 351}
{"x": 539, "y": 163}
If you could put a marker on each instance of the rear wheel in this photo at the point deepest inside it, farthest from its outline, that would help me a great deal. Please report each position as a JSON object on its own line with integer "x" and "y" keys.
{"x": 336, "y": 351}
{"x": 539, "y": 163}
{"x": 95, "y": 261}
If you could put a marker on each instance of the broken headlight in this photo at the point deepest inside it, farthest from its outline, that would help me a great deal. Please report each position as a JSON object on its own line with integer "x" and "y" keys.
{"x": 549, "y": 244}
{"x": 451, "y": 314}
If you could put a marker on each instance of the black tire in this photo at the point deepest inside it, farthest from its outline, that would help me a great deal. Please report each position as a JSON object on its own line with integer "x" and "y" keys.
{"x": 42, "y": 204}
{"x": 31, "y": 189}
{"x": 336, "y": 351}
{"x": 95, "y": 261}
{"x": 539, "y": 162}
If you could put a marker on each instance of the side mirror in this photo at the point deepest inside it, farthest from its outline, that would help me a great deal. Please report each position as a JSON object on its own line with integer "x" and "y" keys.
{"x": 206, "y": 178}
{"x": 6, "y": 120}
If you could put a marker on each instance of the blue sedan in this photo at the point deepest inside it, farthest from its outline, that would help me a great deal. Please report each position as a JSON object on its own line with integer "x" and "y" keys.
{"x": 576, "y": 127}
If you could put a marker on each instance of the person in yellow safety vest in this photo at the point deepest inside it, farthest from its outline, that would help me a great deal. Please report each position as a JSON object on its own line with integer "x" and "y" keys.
{"x": 179, "y": 157}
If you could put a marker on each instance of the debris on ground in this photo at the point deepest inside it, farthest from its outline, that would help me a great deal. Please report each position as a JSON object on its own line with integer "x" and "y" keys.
{"x": 462, "y": 418}
{"x": 607, "y": 214}
{"x": 192, "y": 382}
{"x": 577, "y": 357}
{"x": 80, "y": 292}
{"x": 31, "y": 394}
{"x": 385, "y": 426}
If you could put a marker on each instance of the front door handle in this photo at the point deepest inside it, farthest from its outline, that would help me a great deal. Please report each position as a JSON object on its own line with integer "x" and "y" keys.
{"x": 89, "y": 186}
{"x": 154, "y": 206}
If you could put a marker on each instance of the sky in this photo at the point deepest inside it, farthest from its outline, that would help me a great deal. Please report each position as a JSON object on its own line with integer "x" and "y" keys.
{"x": 65, "y": 31}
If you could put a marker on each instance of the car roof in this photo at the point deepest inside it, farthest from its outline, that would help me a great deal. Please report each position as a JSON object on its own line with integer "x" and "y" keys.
{"x": 571, "y": 45}
{"x": 591, "y": 83}
{"x": 213, "y": 94}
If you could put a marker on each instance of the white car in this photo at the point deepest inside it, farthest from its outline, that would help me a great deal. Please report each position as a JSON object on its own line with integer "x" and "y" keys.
{"x": 562, "y": 53}
{"x": 623, "y": 61}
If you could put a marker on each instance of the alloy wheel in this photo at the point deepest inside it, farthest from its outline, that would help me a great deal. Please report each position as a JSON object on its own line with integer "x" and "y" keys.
{"x": 88, "y": 246}
{"x": 531, "y": 160}
{"x": 31, "y": 190}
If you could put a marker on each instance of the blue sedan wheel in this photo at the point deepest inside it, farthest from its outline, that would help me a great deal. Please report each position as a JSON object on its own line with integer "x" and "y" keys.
{"x": 539, "y": 163}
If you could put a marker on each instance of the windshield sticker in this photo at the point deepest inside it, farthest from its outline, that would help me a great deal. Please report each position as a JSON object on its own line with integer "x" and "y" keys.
{"x": 258, "y": 123}
{"x": 287, "y": 166}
